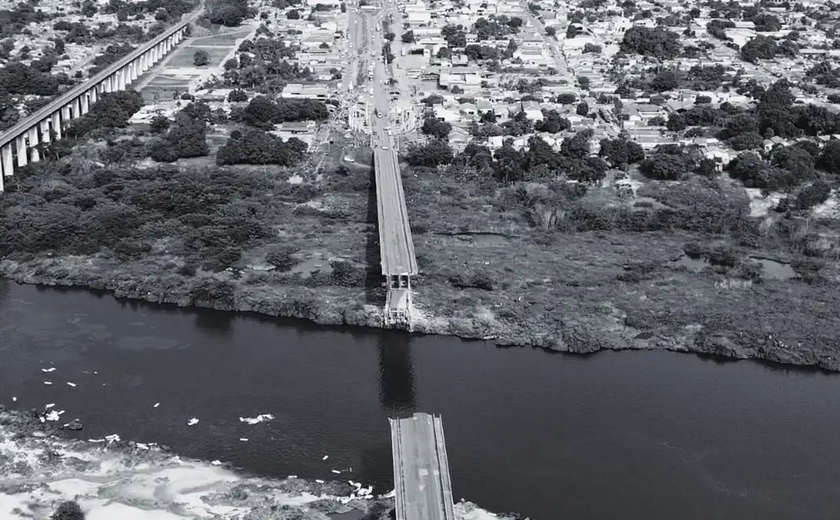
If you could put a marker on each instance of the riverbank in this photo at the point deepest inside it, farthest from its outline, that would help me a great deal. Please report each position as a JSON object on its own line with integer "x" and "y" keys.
{"x": 108, "y": 478}
{"x": 252, "y": 240}
{"x": 585, "y": 312}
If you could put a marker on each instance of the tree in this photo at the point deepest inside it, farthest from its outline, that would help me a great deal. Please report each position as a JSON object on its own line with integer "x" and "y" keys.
{"x": 759, "y": 48}
{"x": 229, "y": 13}
{"x": 237, "y": 96}
{"x": 432, "y": 99}
{"x": 159, "y": 124}
{"x": 257, "y": 147}
{"x": 552, "y": 122}
{"x": 577, "y": 146}
{"x": 663, "y": 166}
{"x": 658, "y": 42}
{"x": 766, "y": 23}
{"x": 550, "y": 31}
{"x": 408, "y": 37}
{"x": 59, "y": 46}
{"x": 746, "y": 141}
{"x": 432, "y": 154}
{"x": 591, "y": 48}
{"x": 676, "y": 123}
{"x": 830, "y": 157}
{"x": 293, "y": 14}
{"x": 436, "y": 128}
{"x": 621, "y": 151}
{"x": 201, "y": 58}
{"x": 390, "y": 36}
{"x": 665, "y": 80}
{"x": 566, "y": 99}
{"x": 582, "y": 109}
{"x": 510, "y": 163}
{"x": 706, "y": 168}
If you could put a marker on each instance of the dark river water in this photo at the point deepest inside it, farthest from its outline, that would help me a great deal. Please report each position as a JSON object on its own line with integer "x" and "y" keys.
{"x": 629, "y": 435}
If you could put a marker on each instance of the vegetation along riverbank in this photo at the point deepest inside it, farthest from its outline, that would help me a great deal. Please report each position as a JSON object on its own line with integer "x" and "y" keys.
{"x": 528, "y": 264}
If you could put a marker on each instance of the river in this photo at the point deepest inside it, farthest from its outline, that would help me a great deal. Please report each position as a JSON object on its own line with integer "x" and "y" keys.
{"x": 617, "y": 435}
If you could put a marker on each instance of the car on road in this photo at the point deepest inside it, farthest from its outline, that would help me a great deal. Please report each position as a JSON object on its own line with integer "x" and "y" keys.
{"x": 384, "y": 147}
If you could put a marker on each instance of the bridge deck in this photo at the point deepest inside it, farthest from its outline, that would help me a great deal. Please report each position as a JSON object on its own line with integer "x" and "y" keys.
{"x": 421, "y": 469}
{"x": 395, "y": 244}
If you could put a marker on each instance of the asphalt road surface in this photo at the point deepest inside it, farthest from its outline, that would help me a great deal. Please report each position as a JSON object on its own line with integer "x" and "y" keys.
{"x": 419, "y": 472}
{"x": 396, "y": 245}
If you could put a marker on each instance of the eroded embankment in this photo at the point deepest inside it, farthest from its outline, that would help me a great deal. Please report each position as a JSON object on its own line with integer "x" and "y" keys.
{"x": 573, "y": 332}
{"x": 111, "y": 479}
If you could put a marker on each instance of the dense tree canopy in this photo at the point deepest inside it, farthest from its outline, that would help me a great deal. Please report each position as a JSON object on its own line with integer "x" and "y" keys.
{"x": 261, "y": 112}
{"x": 112, "y": 110}
{"x": 431, "y": 154}
{"x": 658, "y": 42}
{"x": 257, "y": 147}
{"x": 227, "y": 12}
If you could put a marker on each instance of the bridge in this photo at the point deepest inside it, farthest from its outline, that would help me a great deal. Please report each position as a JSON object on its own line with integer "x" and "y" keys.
{"x": 20, "y": 144}
{"x": 396, "y": 247}
{"x": 421, "y": 469}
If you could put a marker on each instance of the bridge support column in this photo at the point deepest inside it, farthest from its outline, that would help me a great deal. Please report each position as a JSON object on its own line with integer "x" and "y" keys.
{"x": 8, "y": 159}
{"x": 20, "y": 146}
{"x": 33, "y": 145}
{"x": 66, "y": 113}
{"x": 56, "y": 124}
{"x": 83, "y": 102}
{"x": 120, "y": 80}
{"x": 94, "y": 95}
{"x": 45, "y": 131}
{"x": 77, "y": 108}
{"x": 132, "y": 71}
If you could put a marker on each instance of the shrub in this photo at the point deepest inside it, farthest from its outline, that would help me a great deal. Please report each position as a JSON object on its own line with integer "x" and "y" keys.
{"x": 68, "y": 511}
{"x": 237, "y": 96}
{"x": 159, "y": 124}
{"x": 808, "y": 268}
{"x": 282, "y": 258}
{"x": 201, "y": 58}
{"x": 347, "y": 274}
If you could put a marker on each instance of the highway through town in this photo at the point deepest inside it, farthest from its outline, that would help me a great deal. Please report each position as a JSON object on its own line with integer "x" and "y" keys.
{"x": 395, "y": 241}
{"x": 396, "y": 244}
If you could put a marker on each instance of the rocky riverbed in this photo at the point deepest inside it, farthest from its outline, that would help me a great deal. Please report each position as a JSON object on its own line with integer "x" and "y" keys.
{"x": 111, "y": 479}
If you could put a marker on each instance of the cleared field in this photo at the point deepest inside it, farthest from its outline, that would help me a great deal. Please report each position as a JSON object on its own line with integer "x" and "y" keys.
{"x": 178, "y": 73}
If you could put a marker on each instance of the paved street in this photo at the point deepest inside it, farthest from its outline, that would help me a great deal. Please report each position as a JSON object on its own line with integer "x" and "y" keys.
{"x": 421, "y": 470}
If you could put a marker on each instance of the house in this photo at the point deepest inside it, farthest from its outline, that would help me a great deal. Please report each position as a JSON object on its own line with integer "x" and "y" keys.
{"x": 446, "y": 114}
{"x": 532, "y": 110}
{"x": 469, "y": 109}
{"x": 298, "y": 127}
{"x": 299, "y": 91}
{"x": 483, "y": 106}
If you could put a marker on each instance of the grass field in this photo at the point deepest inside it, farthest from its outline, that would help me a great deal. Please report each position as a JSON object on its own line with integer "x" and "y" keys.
{"x": 179, "y": 73}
